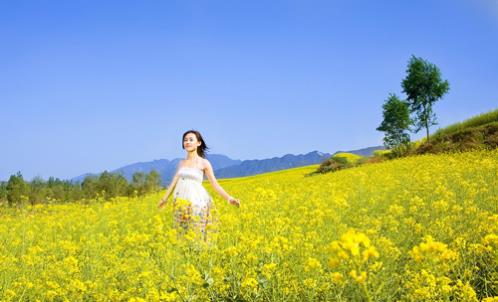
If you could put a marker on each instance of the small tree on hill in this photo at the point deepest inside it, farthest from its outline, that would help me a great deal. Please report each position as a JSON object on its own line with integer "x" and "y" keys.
{"x": 423, "y": 86}
{"x": 396, "y": 122}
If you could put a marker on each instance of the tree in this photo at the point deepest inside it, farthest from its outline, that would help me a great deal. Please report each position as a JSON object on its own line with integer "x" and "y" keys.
{"x": 138, "y": 182}
{"x": 152, "y": 181}
{"x": 36, "y": 192}
{"x": 112, "y": 184}
{"x": 16, "y": 189}
{"x": 396, "y": 122}
{"x": 120, "y": 185}
{"x": 57, "y": 189}
{"x": 423, "y": 86}
{"x": 90, "y": 186}
{"x": 3, "y": 192}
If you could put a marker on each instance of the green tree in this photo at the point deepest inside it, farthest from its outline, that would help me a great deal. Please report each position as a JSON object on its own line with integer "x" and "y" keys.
{"x": 423, "y": 86}
{"x": 58, "y": 190}
{"x": 112, "y": 184}
{"x": 120, "y": 185}
{"x": 396, "y": 122}
{"x": 138, "y": 182}
{"x": 3, "y": 192}
{"x": 36, "y": 192}
{"x": 152, "y": 181}
{"x": 90, "y": 186}
{"x": 16, "y": 189}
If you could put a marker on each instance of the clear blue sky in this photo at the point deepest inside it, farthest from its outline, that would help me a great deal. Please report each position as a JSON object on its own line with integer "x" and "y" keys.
{"x": 93, "y": 85}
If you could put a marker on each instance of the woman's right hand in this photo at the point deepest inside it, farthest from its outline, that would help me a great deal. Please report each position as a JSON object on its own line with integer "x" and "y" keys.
{"x": 162, "y": 201}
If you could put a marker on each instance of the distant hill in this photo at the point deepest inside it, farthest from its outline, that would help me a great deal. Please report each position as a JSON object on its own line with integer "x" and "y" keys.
{"x": 257, "y": 166}
{"x": 166, "y": 168}
{"x": 252, "y": 167}
{"x": 225, "y": 167}
{"x": 364, "y": 152}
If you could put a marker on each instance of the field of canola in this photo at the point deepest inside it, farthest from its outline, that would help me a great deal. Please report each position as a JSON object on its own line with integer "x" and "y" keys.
{"x": 415, "y": 229}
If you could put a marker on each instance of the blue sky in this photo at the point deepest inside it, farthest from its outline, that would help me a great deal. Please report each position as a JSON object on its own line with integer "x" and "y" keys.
{"x": 92, "y": 85}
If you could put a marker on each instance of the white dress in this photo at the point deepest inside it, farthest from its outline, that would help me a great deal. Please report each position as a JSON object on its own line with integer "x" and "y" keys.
{"x": 189, "y": 187}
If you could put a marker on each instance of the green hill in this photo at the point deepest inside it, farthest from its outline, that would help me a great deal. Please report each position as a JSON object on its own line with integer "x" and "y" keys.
{"x": 476, "y": 121}
{"x": 480, "y": 131}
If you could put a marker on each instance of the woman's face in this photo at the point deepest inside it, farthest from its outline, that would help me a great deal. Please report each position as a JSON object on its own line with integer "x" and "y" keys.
{"x": 190, "y": 142}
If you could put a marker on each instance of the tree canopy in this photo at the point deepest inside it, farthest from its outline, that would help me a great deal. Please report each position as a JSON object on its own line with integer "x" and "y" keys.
{"x": 423, "y": 86}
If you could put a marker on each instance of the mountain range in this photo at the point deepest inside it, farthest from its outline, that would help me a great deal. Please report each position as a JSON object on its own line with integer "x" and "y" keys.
{"x": 225, "y": 167}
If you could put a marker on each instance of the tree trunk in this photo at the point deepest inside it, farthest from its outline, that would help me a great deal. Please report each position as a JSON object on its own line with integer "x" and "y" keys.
{"x": 427, "y": 131}
{"x": 426, "y": 121}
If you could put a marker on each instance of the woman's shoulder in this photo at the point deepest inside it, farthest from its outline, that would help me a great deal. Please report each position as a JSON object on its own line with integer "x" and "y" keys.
{"x": 205, "y": 163}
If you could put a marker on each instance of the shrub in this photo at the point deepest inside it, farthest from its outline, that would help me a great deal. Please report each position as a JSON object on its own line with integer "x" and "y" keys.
{"x": 339, "y": 161}
{"x": 348, "y": 157}
{"x": 381, "y": 152}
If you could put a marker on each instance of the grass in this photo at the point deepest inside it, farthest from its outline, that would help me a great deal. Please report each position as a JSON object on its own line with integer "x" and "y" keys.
{"x": 475, "y": 121}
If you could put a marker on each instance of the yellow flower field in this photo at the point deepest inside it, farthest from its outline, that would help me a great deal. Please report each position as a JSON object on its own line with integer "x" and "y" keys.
{"x": 422, "y": 228}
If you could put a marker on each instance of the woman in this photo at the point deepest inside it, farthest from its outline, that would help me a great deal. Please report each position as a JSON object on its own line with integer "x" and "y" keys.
{"x": 187, "y": 185}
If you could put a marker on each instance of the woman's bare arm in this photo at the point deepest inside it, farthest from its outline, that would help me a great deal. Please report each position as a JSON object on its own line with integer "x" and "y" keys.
{"x": 214, "y": 182}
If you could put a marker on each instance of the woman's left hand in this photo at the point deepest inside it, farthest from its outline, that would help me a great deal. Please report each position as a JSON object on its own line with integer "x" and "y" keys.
{"x": 234, "y": 202}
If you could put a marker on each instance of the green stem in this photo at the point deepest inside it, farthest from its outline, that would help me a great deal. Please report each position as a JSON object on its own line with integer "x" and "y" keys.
{"x": 364, "y": 286}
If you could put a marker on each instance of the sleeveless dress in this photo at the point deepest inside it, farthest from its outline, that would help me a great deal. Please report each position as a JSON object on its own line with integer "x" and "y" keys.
{"x": 191, "y": 202}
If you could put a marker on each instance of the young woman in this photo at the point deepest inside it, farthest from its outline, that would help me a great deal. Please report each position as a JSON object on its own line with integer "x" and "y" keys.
{"x": 187, "y": 185}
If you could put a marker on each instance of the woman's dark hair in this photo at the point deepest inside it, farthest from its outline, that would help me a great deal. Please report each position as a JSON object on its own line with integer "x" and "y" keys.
{"x": 201, "y": 150}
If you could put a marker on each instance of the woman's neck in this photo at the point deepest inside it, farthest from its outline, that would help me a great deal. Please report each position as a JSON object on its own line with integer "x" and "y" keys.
{"x": 192, "y": 155}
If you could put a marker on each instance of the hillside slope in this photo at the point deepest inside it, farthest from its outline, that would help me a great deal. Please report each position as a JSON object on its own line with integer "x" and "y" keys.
{"x": 480, "y": 131}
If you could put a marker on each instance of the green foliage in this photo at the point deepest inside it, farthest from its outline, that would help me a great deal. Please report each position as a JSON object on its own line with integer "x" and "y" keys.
{"x": 152, "y": 181}
{"x": 3, "y": 192}
{"x": 112, "y": 185}
{"x": 58, "y": 190}
{"x": 339, "y": 161}
{"x": 146, "y": 183}
{"x": 90, "y": 186}
{"x": 348, "y": 158}
{"x": 401, "y": 150}
{"x": 37, "y": 192}
{"x": 423, "y": 86}
{"x": 381, "y": 152}
{"x": 16, "y": 189}
{"x": 396, "y": 121}
{"x": 103, "y": 187}
{"x": 138, "y": 182}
